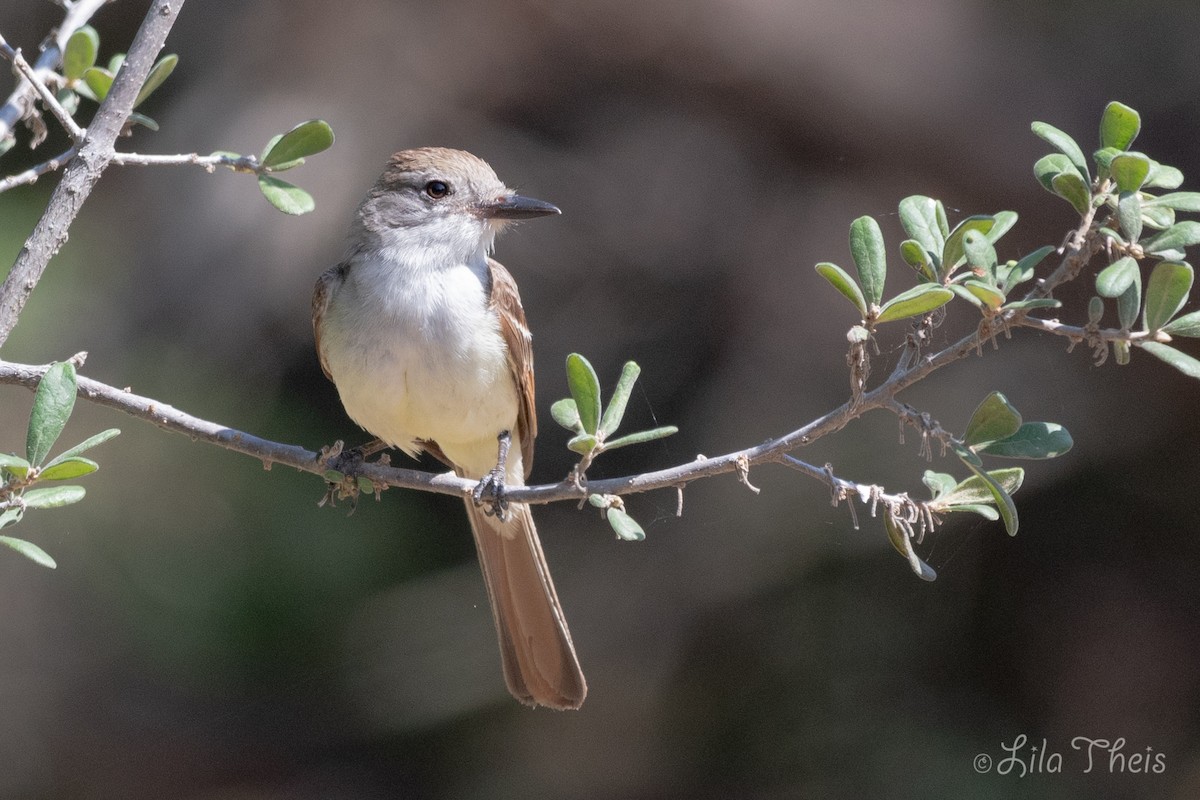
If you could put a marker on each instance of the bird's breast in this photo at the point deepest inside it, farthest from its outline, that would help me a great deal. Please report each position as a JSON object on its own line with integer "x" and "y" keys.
{"x": 421, "y": 359}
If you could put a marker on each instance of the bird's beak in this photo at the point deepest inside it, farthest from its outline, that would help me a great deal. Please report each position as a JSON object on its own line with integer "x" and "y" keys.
{"x": 515, "y": 206}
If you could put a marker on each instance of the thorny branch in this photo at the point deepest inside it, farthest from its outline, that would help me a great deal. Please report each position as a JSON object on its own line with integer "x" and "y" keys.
{"x": 777, "y": 450}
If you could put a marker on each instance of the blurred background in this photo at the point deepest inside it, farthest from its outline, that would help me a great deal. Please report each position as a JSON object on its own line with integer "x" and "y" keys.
{"x": 211, "y": 633}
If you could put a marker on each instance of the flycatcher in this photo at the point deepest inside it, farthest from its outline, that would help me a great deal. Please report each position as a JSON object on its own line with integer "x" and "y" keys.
{"x": 425, "y": 338}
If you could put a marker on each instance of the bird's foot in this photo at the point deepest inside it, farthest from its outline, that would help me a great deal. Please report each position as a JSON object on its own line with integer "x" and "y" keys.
{"x": 492, "y": 484}
{"x": 490, "y": 493}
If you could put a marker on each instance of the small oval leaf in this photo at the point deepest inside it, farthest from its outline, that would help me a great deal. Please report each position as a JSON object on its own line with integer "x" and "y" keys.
{"x": 30, "y": 550}
{"x": 1166, "y": 292}
{"x": 158, "y": 74}
{"x": 624, "y": 526}
{"x": 1072, "y": 188}
{"x": 954, "y": 254}
{"x": 1187, "y": 325}
{"x": 68, "y": 468}
{"x": 1119, "y": 126}
{"x": 53, "y": 496}
{"x": 306, "y": 139}
{"x": 585, "y": 389}
{"x": 1032, "y": 440}
{"x": 98, "y": 81}
{"x": 919, "y": 216}
{"x": 995, "y": 418}
{"x": 1129, "y": 171}
{"x": 870, "y": 258}
{"x": 1179, "y": 360}
{"x": 841, "y": 280}
{"x": 566, "y": 413}
{"x": 1177, "y": 237}
{"x": 1065, "y": 144}
{"x": 1113, "y": 280}
{"x": 80, "y": 52}
{"x": 286, "y": 197}
{"x": 917, "y": 300}
{"x": 1180, "y": 201}
{"x": 615, "y": 412}
{"x": 52, "y": 405}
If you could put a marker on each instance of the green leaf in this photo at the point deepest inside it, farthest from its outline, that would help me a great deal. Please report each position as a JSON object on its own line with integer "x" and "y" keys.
{"x": 624, "y": 526}
{"x": 1024, "y": 269}
{"x": 1047, "y": 168}
{"x": 69, "y": 468}
{"x": 995, "y": 418}
{"x": 989, "y": 295}
{"x": 1187, "y": 325}
{"x": 1179, "y": 201}
{"x": 1121, "y": 352}
{"x": 954, "y": 254}
{"x": 306, "y": 139}
{"x": 284, "y": 196}
{"x": 1179, "y": 360}
{"x": 1119, "y": 126}
{"x": 866, "y": 247}
{"x": 53, "y": 496}
{"x": 841, "y": 280}
{"x": 158, "y": 73}
{"x": 903, "y": 545}
{"x": 274, "y": 140}
{"x": 1129, "y": 171}
{"x": 1129, "y": 215}
{"x": 583, "y": 443}
{"x": 857, "y": 334}
{"x": 80, "y": 52}
{"x": 987, "y": 512}
{"x": 1177, "y": 237}
{"x": 920, "y": 217}
{"x": 1163, "y": 177}
{"x": 1118, "y": 276}
{"x": 1103, "y": 158}
{"x": 1129, "y": 303}
{"x": 1157, "y": 217}
{"x": 611, "y": 420}
{"x": 1032, "y": 440}
{"x": 135, "y": 118}
{"x": 1005, "y": 220}
{"x": 98, "y": 81}
{"x": 52, "y": 405}
{"x": 566, "y": 413}
{"x": 14, "y": 464}
{"x": 1095, "y": 310}
{"x": 1000, "y": 496}
{"x": 1065, "y": 144}
{"x": 641, "y": 436}
{"x": 1166, "y": 292}
{"x": 30, "y": 550}
{"x": 1036, "y": 302}
{"x": 939, "y": 483}
{"x": 981, "y": 255}
{"x": 918, "y": 258}
{"x": 1071, "y": 188}
{"x": 965, "y": 294}
{"x": 585, "y": 388}
{"x": 116, "y": 62}
{"x": 85, "y": 445}
{"x": 920, "y": 299}
{"x": 11, "y": 517}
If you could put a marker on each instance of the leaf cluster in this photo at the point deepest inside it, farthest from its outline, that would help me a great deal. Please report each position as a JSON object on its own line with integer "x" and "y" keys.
{"x": 593, "y": 426}
{"x": 19, "y": 477}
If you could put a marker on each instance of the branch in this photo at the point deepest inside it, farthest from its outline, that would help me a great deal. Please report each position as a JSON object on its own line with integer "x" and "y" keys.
{"x": 19, "y": 102}
{"x": 40, "y": 87}
{"x": 87, "y": 166}
{"x": 32, "y": 174}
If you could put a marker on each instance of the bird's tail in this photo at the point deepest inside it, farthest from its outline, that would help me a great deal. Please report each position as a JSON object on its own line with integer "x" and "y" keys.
{"x": 540, "y": 666}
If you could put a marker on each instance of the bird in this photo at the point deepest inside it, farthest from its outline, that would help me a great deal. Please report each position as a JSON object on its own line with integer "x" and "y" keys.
{"x": 425, "y": 338}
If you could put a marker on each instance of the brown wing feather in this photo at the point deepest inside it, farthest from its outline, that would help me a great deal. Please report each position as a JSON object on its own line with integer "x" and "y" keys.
{"x": 507, "y": 302}
{"x": 326, "y": 284}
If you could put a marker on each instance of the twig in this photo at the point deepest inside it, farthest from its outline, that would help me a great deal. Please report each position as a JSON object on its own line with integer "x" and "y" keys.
{"x": 38, "y": 170}
{"x": 48, "y": 99}
{"x": 239, "y": 164}
{"x": 85, "y": 169}
{"x": 17, "y": 105}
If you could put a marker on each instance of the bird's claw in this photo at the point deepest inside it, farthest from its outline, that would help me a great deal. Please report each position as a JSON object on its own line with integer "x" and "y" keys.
{"x": 492, "y": 486}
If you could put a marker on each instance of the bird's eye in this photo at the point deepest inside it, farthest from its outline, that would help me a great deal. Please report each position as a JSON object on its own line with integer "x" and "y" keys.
{"x": 437, "y": 189}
